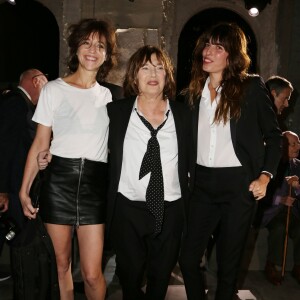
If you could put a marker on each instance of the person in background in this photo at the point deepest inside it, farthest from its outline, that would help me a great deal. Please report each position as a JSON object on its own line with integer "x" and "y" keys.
{"x": 236, "y": 150}
{"x": 73, "y": 192}
{"x": 17, "y": 132}
{"x": 148, "y": 182}
{"x": 280, "y": 90}
{"x": 275, "y": 216}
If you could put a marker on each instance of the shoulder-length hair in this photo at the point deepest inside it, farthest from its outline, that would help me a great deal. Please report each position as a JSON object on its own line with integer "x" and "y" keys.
{"x": 137, "y": 60}
{"x": 232, "y": 38}
{"x": 80, "y": 32}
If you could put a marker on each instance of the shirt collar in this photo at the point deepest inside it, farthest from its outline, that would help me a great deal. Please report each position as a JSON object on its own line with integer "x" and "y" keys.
{"x": 25, "y": 92}
{"x": 136, "y": 108}
{"x": 206, "y": 93}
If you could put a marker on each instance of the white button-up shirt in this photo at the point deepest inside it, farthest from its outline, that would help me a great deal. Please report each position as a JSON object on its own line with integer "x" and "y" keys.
{"x": 214, "y": 149}
{"x": 134, "y": 149}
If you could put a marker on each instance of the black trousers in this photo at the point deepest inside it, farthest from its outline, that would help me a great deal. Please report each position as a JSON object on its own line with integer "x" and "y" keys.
{"x": 220, "y": 197}
{"x": 139, "y": 253}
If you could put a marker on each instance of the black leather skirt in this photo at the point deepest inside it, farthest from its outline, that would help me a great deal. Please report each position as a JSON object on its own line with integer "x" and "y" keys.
{"x": 73, "y": 192}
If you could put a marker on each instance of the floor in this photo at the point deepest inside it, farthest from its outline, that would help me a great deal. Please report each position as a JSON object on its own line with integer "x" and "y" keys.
{"x": 255, "y": 287}
{"x": 253, "y": 284}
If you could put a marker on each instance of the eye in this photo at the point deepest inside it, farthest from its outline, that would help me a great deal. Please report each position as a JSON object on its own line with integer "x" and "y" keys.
{"x": 85, "y": 43}
{"x": 207, "y": 45}
{"x": 101, "y": 46}
{"x": 160, "y": 68}
{"x": 219, "y": 47}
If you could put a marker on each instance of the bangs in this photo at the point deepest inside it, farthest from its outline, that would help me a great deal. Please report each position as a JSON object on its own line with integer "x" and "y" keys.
{"x": 219, "y": 36}
{"x": 147, "y": 57}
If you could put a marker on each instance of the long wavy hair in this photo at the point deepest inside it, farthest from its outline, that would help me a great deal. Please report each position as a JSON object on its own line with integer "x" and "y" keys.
{"x": 137, "y": 60}
{"x": 80, "y": 32}
{"x": 232, "y": 38}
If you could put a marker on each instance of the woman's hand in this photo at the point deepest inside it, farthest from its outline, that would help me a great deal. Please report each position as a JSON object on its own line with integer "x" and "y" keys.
{"x": 259, "y": 186}
{"x": 43, "y": 159}
{"x": 28, "y": 210}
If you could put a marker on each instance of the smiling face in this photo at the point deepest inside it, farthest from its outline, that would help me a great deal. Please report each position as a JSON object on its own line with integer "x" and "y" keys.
{"x": 151, "y": 78}
{"x": 214, "y": 59}
{"x": 91, "y": 52}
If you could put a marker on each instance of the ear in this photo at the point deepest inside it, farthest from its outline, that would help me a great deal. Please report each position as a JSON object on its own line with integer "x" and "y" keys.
{"x": 273, "y": 93}
{"x": 35, "y": 81}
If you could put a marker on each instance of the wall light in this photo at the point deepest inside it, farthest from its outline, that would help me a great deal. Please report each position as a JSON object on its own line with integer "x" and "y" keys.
{"x": 254, "y": 7}
{"x": 13, "y": 2}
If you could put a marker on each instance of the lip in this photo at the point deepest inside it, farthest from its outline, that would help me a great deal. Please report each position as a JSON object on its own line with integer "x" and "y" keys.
{"x": 152, "y": 82}
{"x": 90, "y": 58}
{"x": 207, "y": 60}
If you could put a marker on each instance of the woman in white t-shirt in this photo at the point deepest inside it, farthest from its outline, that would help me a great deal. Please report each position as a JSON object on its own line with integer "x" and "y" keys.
{"x": 73, "y": 191}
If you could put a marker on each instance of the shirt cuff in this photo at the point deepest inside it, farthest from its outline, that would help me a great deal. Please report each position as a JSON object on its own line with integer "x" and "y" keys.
{"x": 267, "y": 173}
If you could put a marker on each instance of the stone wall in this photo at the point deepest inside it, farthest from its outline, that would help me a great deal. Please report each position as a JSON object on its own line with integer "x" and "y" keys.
{"x": 161, "y": 22}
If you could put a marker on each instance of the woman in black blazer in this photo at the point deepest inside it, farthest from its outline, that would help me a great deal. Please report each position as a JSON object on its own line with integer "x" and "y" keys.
{"x": 145, "y": 216}
{"x": 236, "y": 150}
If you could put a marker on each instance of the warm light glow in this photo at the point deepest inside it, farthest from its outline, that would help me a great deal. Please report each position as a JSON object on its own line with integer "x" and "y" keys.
{"x": 13, "y": 2}
{"x": 253, "y": 12}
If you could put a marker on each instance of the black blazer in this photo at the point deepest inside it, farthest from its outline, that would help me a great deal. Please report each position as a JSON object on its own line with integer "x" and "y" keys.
{"x": 17, "y": 132}
{"x": 119, "y": 113}
{"x": 256, "y": 136}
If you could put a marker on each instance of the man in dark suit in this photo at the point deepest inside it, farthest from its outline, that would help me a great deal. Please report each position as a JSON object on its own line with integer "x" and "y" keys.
{"x": 17, "y": 131}
{"x": 284, "y": 192}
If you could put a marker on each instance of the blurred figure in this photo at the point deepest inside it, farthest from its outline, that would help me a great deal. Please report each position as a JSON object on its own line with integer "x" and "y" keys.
{"x": 73, "y": 191}
{"x": 17, "y": 132}
{"x": 275, "y": 216}
{"x": 280, "y": 90}
{"x": 236, "y": 150}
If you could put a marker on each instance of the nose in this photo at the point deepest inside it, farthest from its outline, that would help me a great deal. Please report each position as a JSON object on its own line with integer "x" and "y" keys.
{"x": 286, "y": 103}
{"x": 93, "y": 48}
{"x": 208, "y": 50}
{"x": 153, "y": 72}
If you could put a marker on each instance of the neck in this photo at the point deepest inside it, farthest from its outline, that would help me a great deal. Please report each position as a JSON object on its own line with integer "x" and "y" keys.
{"x": 214, "y": 81}
{"x": 151, "y": 105}
{"x": 81, "y": 79}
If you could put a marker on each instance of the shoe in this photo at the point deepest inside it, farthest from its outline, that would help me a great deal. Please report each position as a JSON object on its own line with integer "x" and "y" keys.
{"x": 296, "y": 273}
{"x": 4, "y": 276}
{"x": 272, "y": 274}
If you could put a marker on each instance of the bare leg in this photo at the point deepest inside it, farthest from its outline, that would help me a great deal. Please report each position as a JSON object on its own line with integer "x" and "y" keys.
{"x": 90, "y": 240}
{"x": 61, "y": 236}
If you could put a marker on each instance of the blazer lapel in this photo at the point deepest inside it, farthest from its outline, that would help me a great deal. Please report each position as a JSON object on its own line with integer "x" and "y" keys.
{"x": 124, "y": 116}
{"x": 178, "y": 122}
{"x": 195, "y": 118}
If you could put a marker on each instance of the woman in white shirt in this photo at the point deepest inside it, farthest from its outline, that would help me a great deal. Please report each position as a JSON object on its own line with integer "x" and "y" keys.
{"x": 73, "y": 192}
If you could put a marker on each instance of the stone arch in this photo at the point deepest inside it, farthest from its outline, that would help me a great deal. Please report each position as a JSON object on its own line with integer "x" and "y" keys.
{"x": 199, "y": 23}
{"x": 29, "y": 37}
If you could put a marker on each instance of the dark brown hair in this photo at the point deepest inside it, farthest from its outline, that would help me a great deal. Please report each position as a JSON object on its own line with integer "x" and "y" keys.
{"x": 232, "y": 38}
{"x": 81, "y": 31}
{"x": 137, "y": 60}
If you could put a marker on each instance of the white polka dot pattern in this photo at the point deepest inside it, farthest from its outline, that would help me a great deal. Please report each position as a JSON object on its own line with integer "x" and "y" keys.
{"x": 152, "y": 163}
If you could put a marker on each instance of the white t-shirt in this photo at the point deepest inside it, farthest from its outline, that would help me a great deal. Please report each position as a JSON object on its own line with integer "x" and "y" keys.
{"x": 78, "y": 118}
